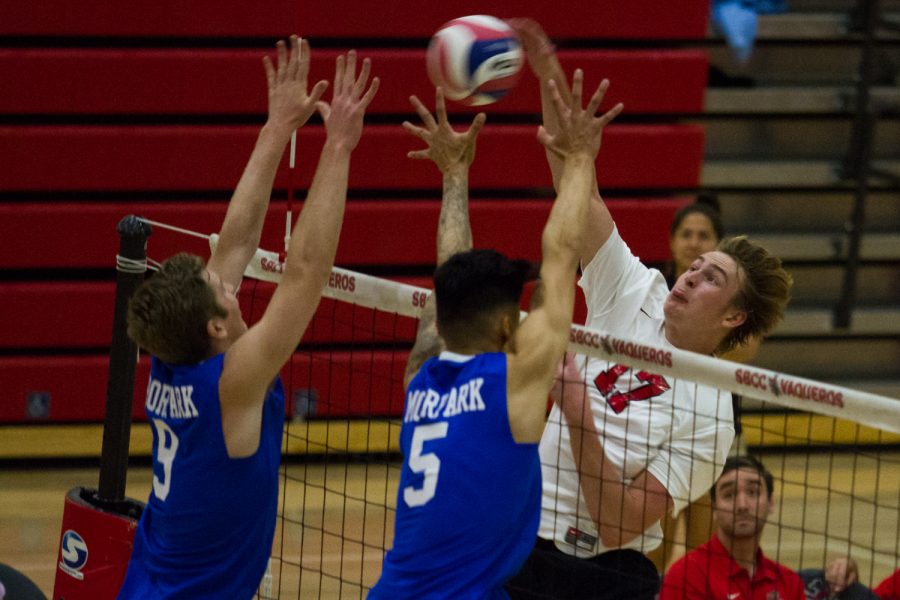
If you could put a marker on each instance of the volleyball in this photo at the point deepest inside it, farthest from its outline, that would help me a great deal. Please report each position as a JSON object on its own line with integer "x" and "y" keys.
{"x": 475, "y": 59}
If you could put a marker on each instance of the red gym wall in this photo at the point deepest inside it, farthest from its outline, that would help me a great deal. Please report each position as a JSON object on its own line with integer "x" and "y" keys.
{"x": 111, "y": 108}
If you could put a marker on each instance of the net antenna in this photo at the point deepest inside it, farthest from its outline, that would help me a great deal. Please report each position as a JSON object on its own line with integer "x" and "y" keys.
{"x": 289, "y": 208}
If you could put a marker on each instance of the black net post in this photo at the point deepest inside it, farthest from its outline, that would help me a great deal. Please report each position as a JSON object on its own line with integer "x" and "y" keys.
{"x": 131, "y": 264}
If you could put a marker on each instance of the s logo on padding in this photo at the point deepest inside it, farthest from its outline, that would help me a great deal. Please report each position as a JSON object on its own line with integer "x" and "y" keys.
{"x": 74, "y": 553}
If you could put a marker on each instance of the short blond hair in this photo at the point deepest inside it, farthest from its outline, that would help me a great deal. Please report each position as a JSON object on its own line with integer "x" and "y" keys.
{"x": 765, "y": 289}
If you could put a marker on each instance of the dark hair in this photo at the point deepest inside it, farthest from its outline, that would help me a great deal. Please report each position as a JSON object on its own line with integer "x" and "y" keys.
{"x": 734, "y": 463}
{"x": 765, "y": 288}
{"x": 706, "y": 205}
{"x": 470, "y": 286}
{"x": 168, "y": 313}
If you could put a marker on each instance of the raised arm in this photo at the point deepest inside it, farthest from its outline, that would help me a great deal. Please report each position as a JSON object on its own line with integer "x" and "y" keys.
{"x": 257, "y": 356}
{"x": 541, "y": 56}
{"x": 289, "y": 108}
{"x": 541, "y": 339}
{"x": 452, "y": 152}
{"x": 620, "y": 511}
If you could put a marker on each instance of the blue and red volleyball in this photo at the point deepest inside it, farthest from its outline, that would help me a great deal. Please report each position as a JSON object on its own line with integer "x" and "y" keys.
{"x": 475, "y": 59}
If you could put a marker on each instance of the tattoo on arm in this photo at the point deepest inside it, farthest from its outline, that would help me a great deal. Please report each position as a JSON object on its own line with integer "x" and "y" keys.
{"x": 428, "y": 342}
{"x": 454, "y": 230}
{"x": 454, "y": 235}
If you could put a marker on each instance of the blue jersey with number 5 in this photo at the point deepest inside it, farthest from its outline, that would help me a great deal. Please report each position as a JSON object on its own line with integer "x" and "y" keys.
{"x": 469, "y": 500}
{"x": 208, "y": 527}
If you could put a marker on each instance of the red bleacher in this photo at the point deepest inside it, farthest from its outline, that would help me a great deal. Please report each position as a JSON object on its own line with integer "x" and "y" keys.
{"x": 347, "y": 383}
{"x": 636, "y": 19}
{"x": 216, "y": 82}
{"x": 117, "y": 108}
{"x": 126, "y": 158}
{"x": 369, "y": 236}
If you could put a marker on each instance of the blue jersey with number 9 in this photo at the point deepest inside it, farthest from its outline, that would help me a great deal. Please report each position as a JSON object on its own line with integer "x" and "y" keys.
{"x": 208, "y": 527}
{"x": 468, "y": 505}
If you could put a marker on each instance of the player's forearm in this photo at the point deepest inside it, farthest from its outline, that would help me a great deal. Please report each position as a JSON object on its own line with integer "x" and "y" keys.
{"x": 454, "y": 230}
{"x": 246, "y": 213}
{"x": 315, "y": 237}
{"x": 616, "y": 511}
{"x": 588, "y": 456}
{"x": 563, "y": 235}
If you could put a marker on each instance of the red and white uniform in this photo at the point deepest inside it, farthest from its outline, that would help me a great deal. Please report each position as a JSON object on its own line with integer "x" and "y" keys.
{"x": 679, "y": 431}
{"x": 709, "y": 573}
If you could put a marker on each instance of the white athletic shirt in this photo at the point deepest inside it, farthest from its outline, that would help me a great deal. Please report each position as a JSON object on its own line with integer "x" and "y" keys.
{"x": 681, "y": 435}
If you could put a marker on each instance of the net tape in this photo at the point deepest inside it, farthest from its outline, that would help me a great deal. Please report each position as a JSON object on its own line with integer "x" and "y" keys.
{"x": 879, "y": 412}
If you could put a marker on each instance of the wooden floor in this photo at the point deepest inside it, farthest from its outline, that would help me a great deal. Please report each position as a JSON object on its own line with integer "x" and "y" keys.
{"x": 339, "y": 517}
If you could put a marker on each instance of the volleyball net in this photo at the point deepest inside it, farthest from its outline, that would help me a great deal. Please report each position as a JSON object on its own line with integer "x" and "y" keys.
{"x": 834, "y": 451}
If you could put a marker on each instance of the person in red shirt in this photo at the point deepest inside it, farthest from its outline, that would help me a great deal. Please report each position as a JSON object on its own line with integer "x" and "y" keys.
{"x": 889, "y": 589}
{"x": 731, "y": 566}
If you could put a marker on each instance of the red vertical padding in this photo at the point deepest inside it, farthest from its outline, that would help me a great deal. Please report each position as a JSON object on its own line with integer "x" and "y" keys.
{"x": 94, "y": 547}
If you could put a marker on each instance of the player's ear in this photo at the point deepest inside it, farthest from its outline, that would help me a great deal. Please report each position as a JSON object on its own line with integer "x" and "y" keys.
{"x": 734, "y": 317}
{"x": 215, "y": 327}
{"x": 505, "y": 329}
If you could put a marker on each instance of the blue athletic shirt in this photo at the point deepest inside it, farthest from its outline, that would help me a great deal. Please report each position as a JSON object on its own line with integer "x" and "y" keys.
{"x": 208, "y": 527}
{"x": 468, "y": 505}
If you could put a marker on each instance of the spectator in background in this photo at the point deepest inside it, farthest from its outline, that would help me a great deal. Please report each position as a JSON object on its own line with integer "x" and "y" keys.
{"x": 696, "y": 228}
{"x": 736, "y": 20}
{"x": 839, "y": 579}
{"x": 732, "y": 565}
{"x": 889, "y": 589}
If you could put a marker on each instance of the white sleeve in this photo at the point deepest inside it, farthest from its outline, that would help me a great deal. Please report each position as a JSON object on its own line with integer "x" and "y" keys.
{"x": 616, "y": 284}
{"x": 691, "y": 460}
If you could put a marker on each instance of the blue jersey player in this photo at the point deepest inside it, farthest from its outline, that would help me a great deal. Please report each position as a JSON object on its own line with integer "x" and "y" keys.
{"x": 214, "y": 400}
{"x": 468, "y": 503}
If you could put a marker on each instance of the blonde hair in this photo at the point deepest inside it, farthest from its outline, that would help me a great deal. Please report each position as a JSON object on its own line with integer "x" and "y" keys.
{"x": 765, "y": 289}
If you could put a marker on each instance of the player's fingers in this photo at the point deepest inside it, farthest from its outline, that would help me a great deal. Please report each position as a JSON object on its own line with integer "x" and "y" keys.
{"x": 544, "y": 137}
{"x": 423, "y": 112}
{"x": 338, "y": 84}
{"x": 370, "y": 93}
{"x": 303, "y": 69}
{"x": 416, "y": 130}
{"x": 294, "y": 59}
{"x": 440, "y": 105}
{"x": 318, "y": 90}
{"x": 350, "y": 72}
{"x": 418, "y": 154}
{"x": 611, "y": 114}
{"x": 477, "y": 123}
{"x": 597, "y": 97}
{"x": 558, "y": 103}
{"x": 363, "y": 78}
{"x": 281, "y": 50}
{"x": 577, "y": 85}
{"x": 270, "y": 71}
{"x": 323, "y": 109}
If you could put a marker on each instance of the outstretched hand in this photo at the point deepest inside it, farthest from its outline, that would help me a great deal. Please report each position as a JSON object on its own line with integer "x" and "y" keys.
{"x": 343, "y": 118}
{"x": 289, "y": 103}
{"x": 539, "y": 50}
{"x": 580, "y": 130}
{"x": 448, "y": 149}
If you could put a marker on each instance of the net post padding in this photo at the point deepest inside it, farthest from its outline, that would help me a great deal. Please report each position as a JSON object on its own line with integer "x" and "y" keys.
{"x": 879, "y": 412}
{"x": 131, "y": 263}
